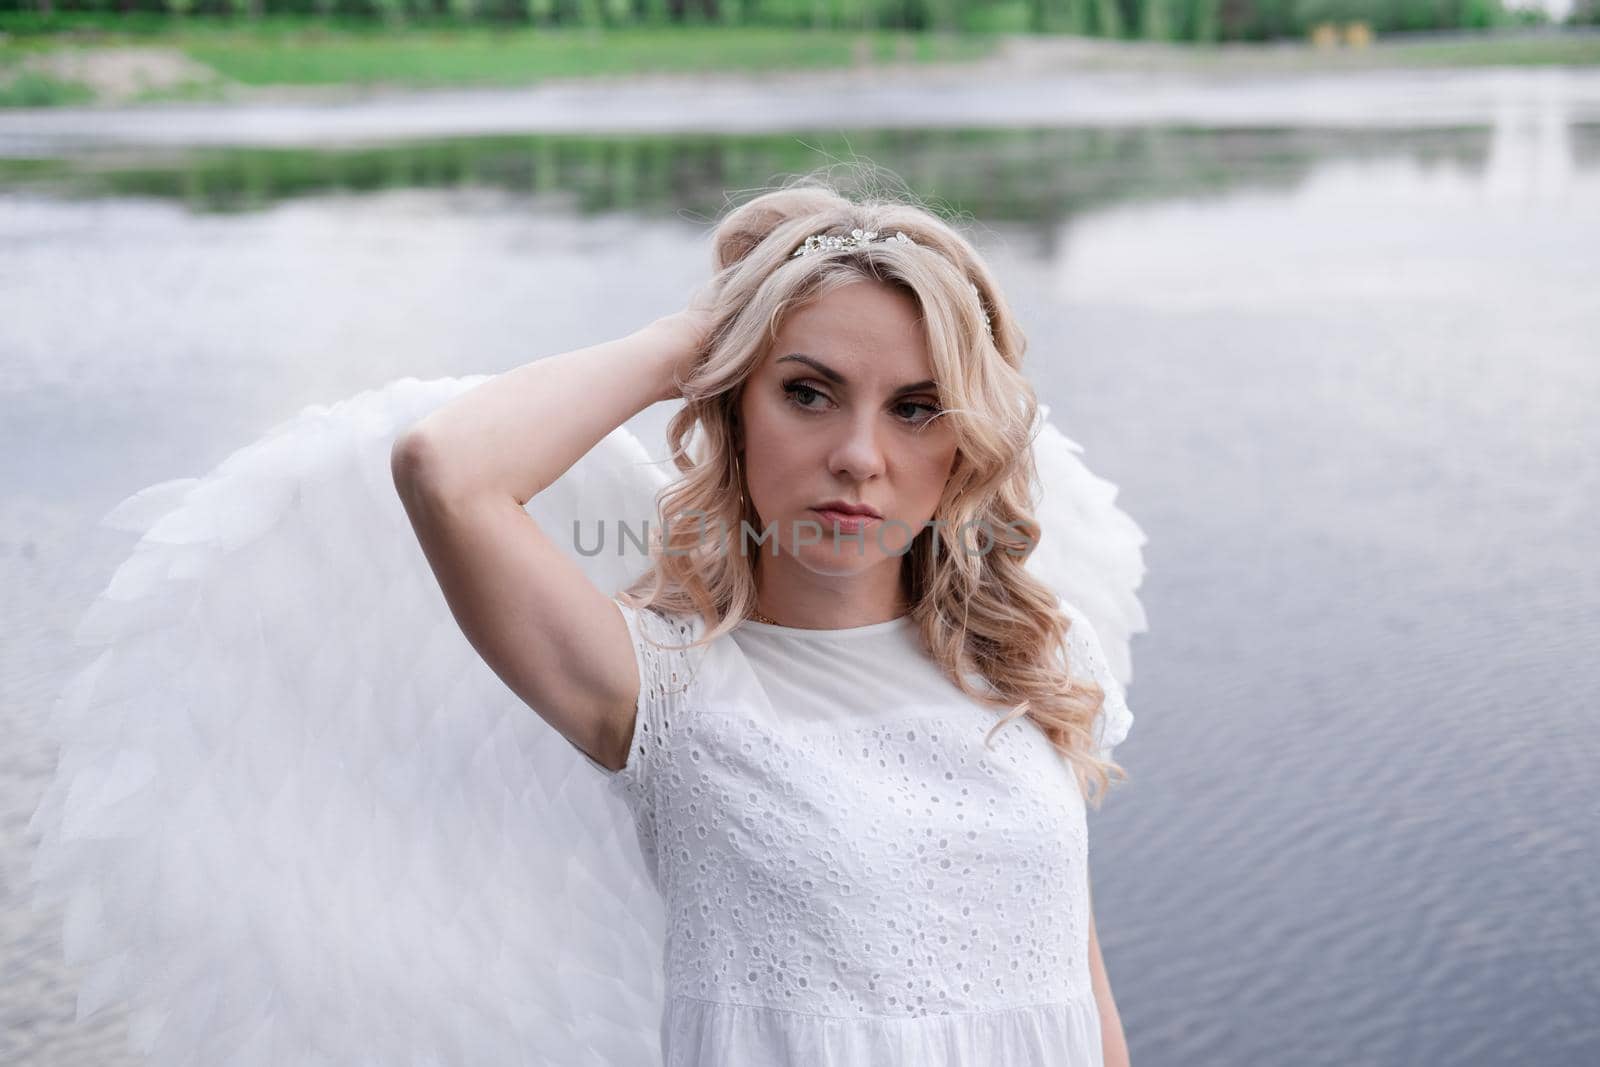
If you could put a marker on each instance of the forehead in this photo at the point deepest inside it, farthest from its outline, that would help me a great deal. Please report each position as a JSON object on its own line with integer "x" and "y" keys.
{"x": 866, "y": 330}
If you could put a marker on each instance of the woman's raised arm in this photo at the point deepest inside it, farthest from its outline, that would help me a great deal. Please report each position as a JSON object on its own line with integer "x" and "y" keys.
{"x": 464, "y": 474}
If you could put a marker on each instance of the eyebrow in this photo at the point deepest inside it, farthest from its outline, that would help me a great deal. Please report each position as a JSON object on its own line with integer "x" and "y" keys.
{"x": 838, "y": 379}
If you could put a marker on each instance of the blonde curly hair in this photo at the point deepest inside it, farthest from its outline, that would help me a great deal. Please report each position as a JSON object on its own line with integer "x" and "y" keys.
{"x": 980, "y": 613}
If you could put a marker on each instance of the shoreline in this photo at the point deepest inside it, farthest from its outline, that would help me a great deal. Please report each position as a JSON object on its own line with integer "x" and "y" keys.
{"x": 136, "y": 73}
{"x": 1025, "y": 83}
{"x": 712, "y": 104}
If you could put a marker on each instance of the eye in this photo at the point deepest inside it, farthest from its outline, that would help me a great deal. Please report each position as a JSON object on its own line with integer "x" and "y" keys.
{"x": 918, "y": 420}
{"x": 799, "y": 394}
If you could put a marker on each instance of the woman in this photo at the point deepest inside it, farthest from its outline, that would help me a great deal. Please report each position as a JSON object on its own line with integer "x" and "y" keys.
{"x": 797, "y": 698}
{"x": 302, "y": 813}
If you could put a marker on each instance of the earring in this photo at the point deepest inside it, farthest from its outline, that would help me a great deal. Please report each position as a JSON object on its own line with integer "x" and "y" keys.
{"x": 738, "y": 476}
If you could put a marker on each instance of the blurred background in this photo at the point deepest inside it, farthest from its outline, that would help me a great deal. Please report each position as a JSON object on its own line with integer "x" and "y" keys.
{"x": 1313, "y": 281}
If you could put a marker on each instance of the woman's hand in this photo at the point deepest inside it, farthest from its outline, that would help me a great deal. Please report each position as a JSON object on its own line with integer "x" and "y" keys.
{"x": 687, "y": 334}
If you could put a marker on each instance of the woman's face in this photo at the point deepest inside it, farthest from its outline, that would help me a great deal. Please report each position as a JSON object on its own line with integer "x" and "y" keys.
{"x": 843, "y": 409}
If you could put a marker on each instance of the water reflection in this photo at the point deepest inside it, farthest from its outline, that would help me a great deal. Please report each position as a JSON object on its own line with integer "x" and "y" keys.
{"x": 1039, "y": 176}
{"x": 1533, "y": 151}
{"x": 1345, "y": 379}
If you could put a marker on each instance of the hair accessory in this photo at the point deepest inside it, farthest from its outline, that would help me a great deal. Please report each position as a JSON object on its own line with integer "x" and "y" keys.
{"x": 859, "y": 238}
{"x": 987, "y": 325}
{"x": 828, "y": 242}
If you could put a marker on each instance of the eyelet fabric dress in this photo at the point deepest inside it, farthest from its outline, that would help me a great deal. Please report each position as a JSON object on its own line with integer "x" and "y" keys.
{"x": 850, "y": 876}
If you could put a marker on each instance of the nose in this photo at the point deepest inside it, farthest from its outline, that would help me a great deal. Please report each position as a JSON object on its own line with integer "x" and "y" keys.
{"x": 858, "y": 455}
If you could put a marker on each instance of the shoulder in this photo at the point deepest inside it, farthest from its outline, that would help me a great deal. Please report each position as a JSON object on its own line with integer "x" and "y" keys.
{"x": 668, "y": 644}
{"x": 660, "y": 622}
{"x": 1086, "y": 658}
{"x": 1082, "y": 640}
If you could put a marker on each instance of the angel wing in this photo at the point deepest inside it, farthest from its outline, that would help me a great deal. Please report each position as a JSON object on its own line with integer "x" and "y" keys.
{"x": 297, "y": 820}
{"x": 1092, "y": 555}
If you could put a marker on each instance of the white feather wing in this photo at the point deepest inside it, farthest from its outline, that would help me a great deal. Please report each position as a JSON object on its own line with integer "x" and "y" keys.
{"x": 296, "y": 818}
{"x": 1091, "y": 554}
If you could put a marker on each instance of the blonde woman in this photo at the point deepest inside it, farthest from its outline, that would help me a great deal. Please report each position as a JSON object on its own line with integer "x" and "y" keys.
{"x": 804, "y": 782}
{"x": 794, "y": 697}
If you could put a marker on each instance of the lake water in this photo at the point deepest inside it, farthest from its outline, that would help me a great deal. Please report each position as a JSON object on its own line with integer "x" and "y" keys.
{"x": 1347, "y": 379}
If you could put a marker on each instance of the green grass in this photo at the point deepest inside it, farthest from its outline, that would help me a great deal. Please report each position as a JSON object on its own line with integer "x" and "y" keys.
{"x": 32, "y": 89}
{"x": 303, "y": 51}
{"x": 1577, "y": 50}
{"x": 307, "y": 52}
{"x": 195, "y": 92}
{"x": 471, "y": 56}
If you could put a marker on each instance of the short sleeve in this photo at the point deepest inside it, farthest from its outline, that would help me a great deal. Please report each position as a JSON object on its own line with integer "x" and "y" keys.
{"x": 1087, "y": 658}
{"x": 665, "y": 675}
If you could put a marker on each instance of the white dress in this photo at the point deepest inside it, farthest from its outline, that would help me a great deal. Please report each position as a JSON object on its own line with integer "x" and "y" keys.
{"x": 850, "y": 876}
{"x": 297, "y": 819}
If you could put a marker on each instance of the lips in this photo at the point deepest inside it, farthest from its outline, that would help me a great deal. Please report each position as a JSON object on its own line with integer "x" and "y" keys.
{"x": 844, "y": 508}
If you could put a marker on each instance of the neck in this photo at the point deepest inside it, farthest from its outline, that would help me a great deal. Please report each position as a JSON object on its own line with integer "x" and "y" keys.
{"x": 788, "y": 595}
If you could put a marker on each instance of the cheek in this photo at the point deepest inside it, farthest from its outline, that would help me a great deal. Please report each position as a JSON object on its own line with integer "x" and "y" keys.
{"x": 773, "y": 473}
{"x": 931, "y": 471}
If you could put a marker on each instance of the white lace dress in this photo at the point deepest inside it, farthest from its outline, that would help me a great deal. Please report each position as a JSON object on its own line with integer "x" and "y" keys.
{"x": 850, "y": 876}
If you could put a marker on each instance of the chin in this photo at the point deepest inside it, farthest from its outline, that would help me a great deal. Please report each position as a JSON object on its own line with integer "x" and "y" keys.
{"x": 844, "y": 562}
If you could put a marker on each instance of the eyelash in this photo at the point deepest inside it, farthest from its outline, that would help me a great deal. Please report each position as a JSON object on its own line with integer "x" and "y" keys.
{"x": 790, "y": 388}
